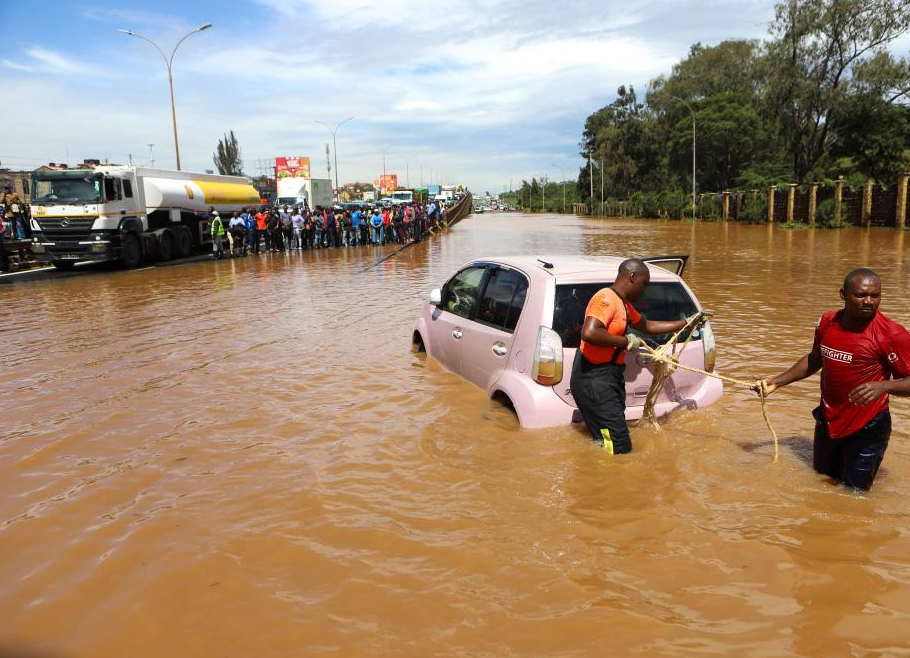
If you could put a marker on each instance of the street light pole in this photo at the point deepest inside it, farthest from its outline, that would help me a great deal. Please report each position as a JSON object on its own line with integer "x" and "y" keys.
{"x": 334, "y": 131}
{"x": 382, "y": 180}
{"x": 169, "y": 61}
{"x": 693, "y": 150}
{"x": 543, "y": 187}
{"x": 563, "y": 187}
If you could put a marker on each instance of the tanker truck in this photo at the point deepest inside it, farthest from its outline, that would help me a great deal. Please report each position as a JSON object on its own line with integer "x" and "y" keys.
{"x": 296, "y": 191}
{"x": 127, "y": 214}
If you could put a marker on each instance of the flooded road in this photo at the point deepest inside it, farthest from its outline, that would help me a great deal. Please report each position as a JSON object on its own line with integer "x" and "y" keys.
{"x": 245, "y": 458}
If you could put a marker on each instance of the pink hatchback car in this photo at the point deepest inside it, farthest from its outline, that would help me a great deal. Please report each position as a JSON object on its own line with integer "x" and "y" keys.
{"x": 512, "y": 325}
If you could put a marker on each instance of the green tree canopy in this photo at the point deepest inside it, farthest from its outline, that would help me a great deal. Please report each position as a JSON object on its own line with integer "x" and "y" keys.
{"x": 822, "y": 96}
{"x": 227, "y": 156}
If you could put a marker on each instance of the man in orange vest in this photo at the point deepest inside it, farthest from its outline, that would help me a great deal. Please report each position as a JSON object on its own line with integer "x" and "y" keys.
{"x": 598, "y": 374}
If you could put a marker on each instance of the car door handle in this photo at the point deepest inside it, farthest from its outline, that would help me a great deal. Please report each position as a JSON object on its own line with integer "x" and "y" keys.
{"x": 456, "y": 334}
{"x": 500, "y": 349}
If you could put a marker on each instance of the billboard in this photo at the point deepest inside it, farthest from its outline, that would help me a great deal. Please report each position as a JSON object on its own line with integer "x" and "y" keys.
{"x": 434, "y": 189}
{"x": 290, "y": 167}
{"x": 388, "y": 183}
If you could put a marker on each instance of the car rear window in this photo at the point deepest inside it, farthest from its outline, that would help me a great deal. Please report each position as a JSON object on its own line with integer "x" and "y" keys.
{"x": 662, "y": 300}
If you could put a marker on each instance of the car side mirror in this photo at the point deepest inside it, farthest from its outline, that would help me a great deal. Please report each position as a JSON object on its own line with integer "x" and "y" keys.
{"x": 435, "y": 296}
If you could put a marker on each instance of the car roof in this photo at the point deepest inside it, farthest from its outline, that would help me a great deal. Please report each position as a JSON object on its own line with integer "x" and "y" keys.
{"x": 574, "y": 268}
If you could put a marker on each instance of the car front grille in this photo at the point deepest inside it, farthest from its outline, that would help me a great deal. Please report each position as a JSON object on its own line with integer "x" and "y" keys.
{"x": 68, "y": 229}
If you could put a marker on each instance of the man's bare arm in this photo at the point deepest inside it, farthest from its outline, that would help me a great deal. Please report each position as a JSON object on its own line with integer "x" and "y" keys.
{"x": 807, "y": 366}
{"x": 594, "y": 332}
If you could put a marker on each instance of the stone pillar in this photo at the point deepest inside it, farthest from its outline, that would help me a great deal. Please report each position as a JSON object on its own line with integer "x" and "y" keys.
{"x": 726, "y": 212}
{"x": 813, "y": 202}
{"x": 867, "y": 203}
{"x": 791, "y": 198}
{"x": 771, "y": 204}
{"x": 900, "y": 213}
{"x": 838, "y": 198}
{"x": 753, "y": 195}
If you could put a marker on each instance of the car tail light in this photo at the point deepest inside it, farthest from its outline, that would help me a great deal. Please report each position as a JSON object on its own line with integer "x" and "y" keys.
{"x": 547, "y": 368}
{"x": 709, "y": 346}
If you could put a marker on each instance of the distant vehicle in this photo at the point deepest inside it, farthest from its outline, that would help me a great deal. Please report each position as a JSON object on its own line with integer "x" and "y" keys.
{"x": 127, "y": 214}
{"x": 299, "y": 192}
{"x": 403, "y": 196}
{"x": 512, "y": 326}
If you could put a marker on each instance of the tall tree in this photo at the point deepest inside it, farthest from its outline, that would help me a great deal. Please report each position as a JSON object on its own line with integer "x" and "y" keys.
{"x": 620, "y": 137}
{"x": 729, "y": 138}
{"x": 227, "y": 156}
{"x": 809, "y": 64}
{"x": 728, "y": 67}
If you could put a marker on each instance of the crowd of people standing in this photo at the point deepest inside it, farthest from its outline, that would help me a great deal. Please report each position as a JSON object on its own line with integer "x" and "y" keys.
{"x": 266, "y": 230}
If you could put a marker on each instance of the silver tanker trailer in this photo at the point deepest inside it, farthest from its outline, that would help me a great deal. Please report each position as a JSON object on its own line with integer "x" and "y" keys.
{"x": 127, "y": 214}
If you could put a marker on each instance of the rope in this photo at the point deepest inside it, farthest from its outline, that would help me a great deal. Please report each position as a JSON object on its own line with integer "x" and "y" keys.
{"x": 666, "y": 362}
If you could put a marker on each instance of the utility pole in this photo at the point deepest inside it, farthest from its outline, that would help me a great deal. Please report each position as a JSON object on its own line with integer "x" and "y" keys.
{"x": 543, "y": 188}
{"x": 601, "y": 186}
{"x": 688, "y": 107}
{"x": 170, "y": 79}
{"x": 563, "y": 186}
{"x": 591, "y": 178}
{"x": 334, "y": 131}
{"x": 151, "y": 155}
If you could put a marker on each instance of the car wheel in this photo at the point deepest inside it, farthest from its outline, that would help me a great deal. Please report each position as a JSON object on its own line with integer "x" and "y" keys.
{"x": 501, "y": 412}
{"x": 417, "y": 343}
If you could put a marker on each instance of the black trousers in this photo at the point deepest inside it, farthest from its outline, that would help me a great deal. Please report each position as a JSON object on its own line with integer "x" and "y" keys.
{"x": 852, "y": 460}
{"x": 600, "y": 393}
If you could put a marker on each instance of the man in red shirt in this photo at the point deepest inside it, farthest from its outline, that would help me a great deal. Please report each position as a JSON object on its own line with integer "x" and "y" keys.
{"x": 598, "y": 381}
{"x": 864, "y": 357}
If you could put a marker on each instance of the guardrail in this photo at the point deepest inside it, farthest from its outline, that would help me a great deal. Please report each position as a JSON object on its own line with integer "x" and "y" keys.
{"x": 460, "y": 210}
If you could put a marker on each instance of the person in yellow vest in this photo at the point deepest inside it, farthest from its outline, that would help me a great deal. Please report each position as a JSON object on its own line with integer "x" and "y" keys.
{"x": 217, "y": 230}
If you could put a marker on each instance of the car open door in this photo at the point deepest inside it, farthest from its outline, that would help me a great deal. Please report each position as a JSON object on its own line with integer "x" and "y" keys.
{"x": 674, "y": 264}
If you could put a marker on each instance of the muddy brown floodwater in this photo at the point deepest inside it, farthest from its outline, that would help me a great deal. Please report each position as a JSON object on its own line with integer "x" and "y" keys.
{"x": 245, "y": 458}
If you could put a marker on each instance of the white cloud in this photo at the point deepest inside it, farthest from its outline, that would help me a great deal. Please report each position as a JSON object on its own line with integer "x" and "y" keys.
{"x": 482, "y": 91}
{"x": 15, "y": 66}
{"x": 53, "y": 63}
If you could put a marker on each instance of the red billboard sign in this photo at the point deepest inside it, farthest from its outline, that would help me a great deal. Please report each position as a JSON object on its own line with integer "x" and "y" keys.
{"x": 290, "y": 167}
{"x": 388, "y": 183}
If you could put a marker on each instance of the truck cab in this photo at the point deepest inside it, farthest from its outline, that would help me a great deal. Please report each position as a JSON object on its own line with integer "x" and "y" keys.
{"x": 74, "y": 212}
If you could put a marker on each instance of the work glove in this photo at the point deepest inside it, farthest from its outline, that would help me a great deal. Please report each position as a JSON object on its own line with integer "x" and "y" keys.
{"x": 699, "y": 320}
{"x": 634, "y": 342}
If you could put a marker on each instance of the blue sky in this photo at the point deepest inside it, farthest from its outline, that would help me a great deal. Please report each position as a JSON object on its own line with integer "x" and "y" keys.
{"x": 473, "y": 92}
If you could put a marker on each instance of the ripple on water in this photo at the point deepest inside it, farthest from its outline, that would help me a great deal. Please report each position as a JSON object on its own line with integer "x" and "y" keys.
{"x": 246, "y": 457}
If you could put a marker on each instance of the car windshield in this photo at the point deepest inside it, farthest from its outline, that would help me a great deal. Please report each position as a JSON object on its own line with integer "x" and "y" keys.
{"x": 662, "y": 300}
{"x": 55, "y": 188}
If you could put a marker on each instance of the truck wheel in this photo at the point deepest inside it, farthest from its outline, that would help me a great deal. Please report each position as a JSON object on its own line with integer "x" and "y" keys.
{"x": 166, "y": 246}
{"x": 130, "y": 251}
{"x": 184, "y": 243}
{"x": 64, "y": 265}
